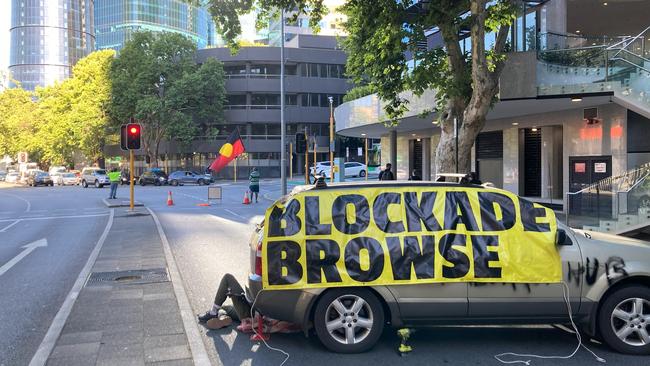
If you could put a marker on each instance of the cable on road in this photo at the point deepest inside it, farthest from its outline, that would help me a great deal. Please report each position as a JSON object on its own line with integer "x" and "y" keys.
{"x": 262, "y": 338}
{"x": 565, "y": 293}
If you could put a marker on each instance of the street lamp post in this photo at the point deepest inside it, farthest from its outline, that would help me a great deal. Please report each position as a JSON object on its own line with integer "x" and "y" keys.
{"x": 331, "y": 99}
{"x": 283, "y": 126}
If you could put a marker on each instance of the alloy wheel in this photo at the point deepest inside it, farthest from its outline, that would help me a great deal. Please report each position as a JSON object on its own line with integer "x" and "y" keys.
{"x": 349, "y": 319}
{"x": 630, "y": 320}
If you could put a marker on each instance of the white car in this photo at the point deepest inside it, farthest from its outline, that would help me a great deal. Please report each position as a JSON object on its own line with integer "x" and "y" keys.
{"x": 56, "y": 170}
{"x": 66, "y": 179}
{"x": 94, "y": 176}
{"x": 352, "y": 169}
{"x": 12, "y": 177}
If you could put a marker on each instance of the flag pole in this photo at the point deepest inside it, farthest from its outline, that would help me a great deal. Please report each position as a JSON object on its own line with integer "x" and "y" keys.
{"x": 283, "y": 126}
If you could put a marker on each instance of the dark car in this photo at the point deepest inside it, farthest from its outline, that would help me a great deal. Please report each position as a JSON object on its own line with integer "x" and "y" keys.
{"x": 124, "y": 177}
{"x": 181, "y": 177}
{"x": 39, "y": 178}
{"x": 155, "y": 177}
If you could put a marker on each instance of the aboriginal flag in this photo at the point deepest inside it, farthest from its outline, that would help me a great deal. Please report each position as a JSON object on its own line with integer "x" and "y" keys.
{"x": 230, "y": 150}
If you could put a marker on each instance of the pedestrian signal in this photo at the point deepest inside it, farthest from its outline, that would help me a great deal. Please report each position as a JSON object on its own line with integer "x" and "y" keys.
{"x": 301, "y": 143}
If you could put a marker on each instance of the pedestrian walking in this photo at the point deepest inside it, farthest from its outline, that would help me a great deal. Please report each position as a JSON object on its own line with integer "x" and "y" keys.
{"x": 387, "y": 174}
{"x": 114, "y": 176}
{"x": 254, "y": 183}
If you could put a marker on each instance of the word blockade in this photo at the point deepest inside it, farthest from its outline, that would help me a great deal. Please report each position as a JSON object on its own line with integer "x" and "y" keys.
{"x": 407, "y": 235}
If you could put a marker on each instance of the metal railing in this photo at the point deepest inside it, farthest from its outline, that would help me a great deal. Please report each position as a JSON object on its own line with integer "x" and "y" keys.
{"x": 613, "y": 203}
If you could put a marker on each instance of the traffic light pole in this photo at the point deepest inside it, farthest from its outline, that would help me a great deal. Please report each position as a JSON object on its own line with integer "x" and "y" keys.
{"x": 131, "y": 179}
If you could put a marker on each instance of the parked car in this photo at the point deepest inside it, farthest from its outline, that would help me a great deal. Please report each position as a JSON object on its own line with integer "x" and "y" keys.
{"x": 12, "y": 177}
{"x": 39, "y": 178}
{"x": 606, "y": 277}
{"x": 67, "y": 179}
{"x": 56, "y": 170}
{"x": 95, "y": 176}
{"x": 181, "y": 177}
{"x": 155, "y": 177}
{"x": 352, "y": 169}
{"x": 3, "y": 175}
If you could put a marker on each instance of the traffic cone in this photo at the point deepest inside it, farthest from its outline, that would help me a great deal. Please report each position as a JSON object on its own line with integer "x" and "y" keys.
{"x": 170, "y": 201}
{"x": 247, "y": 200}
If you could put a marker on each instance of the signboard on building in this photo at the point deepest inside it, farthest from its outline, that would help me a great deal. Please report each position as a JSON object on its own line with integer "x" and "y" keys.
{"x": 580, "y": 167}
{"x": 600, "y": 167}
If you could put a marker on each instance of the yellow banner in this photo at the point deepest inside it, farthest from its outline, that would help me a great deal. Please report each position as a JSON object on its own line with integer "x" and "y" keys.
{"x": 365, "y": 236}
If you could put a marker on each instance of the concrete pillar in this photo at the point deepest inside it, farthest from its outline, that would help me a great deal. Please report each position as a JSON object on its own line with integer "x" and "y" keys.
{"x": 426, "y": 158}
{"x": 511, "y": 160}
{"x": 392, "y": 142}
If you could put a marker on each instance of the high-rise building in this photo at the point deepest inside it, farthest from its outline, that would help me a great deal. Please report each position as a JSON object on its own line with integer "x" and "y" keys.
{"x": 116, "y": 21}
{"x": 330, "y": 25}
{"x": 47, "y": 38}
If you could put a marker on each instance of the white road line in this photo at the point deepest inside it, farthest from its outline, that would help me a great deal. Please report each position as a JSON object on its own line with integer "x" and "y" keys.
{"x": 191, "y": 196}
{"x": 28, "y": 249}
{"x": 197, "y": 347}
{"x": 10, "y": 225}
{"x": 47, "y": 345}
{"x": 234, "y": 213}
{"x": 29, "y": 205}
{"x": 28, "y": 218}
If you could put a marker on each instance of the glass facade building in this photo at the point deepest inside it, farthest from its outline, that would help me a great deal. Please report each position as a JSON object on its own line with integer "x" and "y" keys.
{"x": 117, "y": 20}
{"x": 47, "y": 38}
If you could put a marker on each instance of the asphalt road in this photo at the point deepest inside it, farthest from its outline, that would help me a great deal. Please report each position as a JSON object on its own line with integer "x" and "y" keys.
{"x": 208, "y": 242}
{"x": 62, "y": 228}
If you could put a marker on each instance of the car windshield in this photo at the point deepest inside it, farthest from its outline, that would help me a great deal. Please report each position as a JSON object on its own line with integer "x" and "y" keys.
{"x": 100, "y": 171}
{"x": 159, "y": 173}
{"x": 69, "y": 175}
{"x": 324, "y": 163}
{"x": 41, "y": 174}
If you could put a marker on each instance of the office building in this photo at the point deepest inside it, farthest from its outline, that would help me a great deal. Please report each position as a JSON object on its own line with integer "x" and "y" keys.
{"x": 116, "y": 21}
{"x": 570, "y": 128}
{"x": 47, "y": 38}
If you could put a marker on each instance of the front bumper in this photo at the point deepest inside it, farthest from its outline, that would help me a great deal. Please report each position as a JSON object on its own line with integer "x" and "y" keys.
{"x": 288, "y": 305}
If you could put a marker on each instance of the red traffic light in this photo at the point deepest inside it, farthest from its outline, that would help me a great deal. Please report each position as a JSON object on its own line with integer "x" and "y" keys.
{"x": 134, "y": 130}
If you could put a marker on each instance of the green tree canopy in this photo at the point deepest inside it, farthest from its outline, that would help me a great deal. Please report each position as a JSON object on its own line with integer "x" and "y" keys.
{"x": 156, "y": 81}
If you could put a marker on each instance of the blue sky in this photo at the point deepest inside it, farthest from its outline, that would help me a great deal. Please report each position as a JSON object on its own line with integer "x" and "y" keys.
{"x": 5, "y": 23}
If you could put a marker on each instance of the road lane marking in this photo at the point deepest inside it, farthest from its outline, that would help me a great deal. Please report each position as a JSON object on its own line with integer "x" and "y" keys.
{"x": 28, "y": 249}
{"x": 236, "y": 214}
{"x": 28, "y": 218}
{"x": 10, "y": 225}
{"x": 29, "y": 205}
{"x": 47, "y": 345}
{"x": 197, "y": 347}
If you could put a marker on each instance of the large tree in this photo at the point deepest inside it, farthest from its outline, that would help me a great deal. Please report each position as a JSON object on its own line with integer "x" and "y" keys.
{"x": 18, "y": 119}
{"x": 383, "y": 33}
{"x": 157, "y": 81}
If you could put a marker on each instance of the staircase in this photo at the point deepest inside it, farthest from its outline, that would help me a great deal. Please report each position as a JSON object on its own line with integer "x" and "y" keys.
{"x": 592, "y": 66}
{"x": 617, "y": 205}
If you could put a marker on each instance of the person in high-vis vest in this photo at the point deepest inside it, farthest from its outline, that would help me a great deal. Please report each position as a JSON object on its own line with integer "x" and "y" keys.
{"x": 114, "y": 176}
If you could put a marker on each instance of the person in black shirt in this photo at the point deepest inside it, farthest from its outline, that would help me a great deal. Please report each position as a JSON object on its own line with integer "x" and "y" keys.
{"x": 387, "y": 174}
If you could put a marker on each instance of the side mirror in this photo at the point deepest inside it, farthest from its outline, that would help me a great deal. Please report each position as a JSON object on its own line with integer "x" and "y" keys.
{"x": 562, "y": 239}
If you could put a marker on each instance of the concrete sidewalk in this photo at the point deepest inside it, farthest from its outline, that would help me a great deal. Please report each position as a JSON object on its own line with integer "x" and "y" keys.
{"x": 127, "y": 313}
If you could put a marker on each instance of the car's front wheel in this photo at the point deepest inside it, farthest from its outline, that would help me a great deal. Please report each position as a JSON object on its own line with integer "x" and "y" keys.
{"x": 97, "y": 185}
{"x": 362, "y": 173}
{"x": 200, "y": 182}
{"x": 624, "y": 320}
{"x": 349, "y": 320}
{"x": 173, "y": 182}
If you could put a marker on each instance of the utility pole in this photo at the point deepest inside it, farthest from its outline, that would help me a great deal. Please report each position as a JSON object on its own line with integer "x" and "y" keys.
{"x": 283, "y": 127}
{"x": 332, "y": 139}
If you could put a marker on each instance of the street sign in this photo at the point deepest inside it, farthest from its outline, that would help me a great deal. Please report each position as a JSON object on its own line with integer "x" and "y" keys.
{"x": 23, "y": 157}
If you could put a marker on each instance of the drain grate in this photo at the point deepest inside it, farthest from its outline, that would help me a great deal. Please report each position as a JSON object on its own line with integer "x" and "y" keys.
{"x": 132, "y": 277}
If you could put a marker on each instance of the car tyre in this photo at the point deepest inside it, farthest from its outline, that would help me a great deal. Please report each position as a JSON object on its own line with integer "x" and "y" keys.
{"x": 363, "y": 319}
{"x": 156, "y": 183}
{"x": 84, "y": 184}
{"x": 97, "y": 185}
{"x": 173, "y": 182}
{"x": 200, "y": 182}
{"x": 142, "y": 183}
{"x": 624, "y": 320}
{"x": 362, "y": 173}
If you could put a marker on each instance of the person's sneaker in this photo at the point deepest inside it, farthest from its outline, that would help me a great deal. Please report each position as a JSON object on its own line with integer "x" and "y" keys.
{"x": 218, "y": 323}
{"x": 206, "y": 317}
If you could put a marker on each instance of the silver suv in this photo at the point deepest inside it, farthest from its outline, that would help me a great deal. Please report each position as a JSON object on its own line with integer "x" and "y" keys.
{"x": 607, "y": 278}
{"x": 94, "y": 176}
